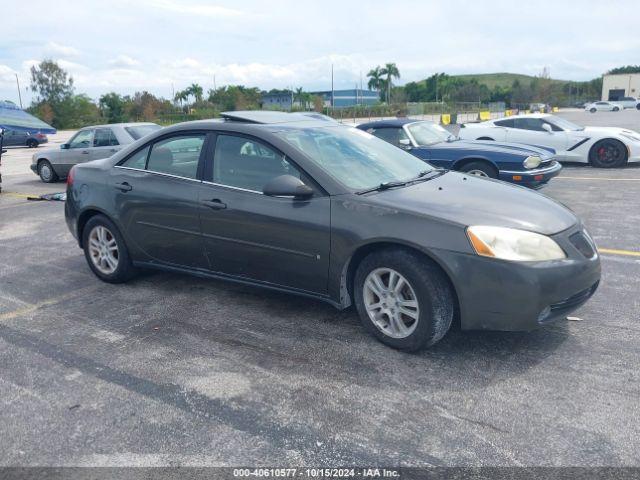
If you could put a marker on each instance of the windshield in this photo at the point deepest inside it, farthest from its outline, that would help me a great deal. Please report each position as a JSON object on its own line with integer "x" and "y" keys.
{"x": 564, "y": 124}
{"x": 354, "y": 158}
{"x": 139, "y": 131}
{"x": 427, "y": 133}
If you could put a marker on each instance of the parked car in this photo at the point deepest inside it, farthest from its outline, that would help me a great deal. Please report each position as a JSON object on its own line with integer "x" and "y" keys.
{"x": 20, "y": 138}
{"x": 330, "y": 212}
{"x": 540, "y": 108}
{"x": 515, "y": 163}
{"x": 603, "y": 107}
{"x": 629, "y": 102}
{"x": 89, "y": 143}
{"x": 603, "y": 147}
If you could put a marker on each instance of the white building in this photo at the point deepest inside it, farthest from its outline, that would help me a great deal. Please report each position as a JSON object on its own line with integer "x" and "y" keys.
{"x": 614, "y": 87}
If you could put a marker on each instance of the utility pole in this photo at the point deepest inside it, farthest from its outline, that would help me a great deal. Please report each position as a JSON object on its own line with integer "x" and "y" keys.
{"x": 19, "y": 93}
{"x": 332, "y": 94}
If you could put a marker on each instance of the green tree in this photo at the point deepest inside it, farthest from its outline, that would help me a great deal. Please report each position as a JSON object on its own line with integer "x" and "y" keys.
{"x": 625, "y": 69}
{"x": 376, "y": 80}
{"x": 50, "y": 82}
{"x": 391, "y": 71}
{"x": 196, "y": 91}
{"x": 112, "y": 106}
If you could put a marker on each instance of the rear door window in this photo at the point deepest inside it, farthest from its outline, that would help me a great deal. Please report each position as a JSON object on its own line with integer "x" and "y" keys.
{"x": 177, "y": 156}
{"x": 104, "y": 137}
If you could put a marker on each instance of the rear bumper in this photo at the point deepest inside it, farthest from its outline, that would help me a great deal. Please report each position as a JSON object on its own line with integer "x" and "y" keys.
{"x": 531, "y": 178}
{"x": 520, "y": 296}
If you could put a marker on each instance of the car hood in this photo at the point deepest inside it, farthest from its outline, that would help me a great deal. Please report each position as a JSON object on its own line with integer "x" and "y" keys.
{"x": 608, "y": 131}
{"x": 467, "y": 200}
{"x": 49, "y": 153}
{"x": 498, "y": 147}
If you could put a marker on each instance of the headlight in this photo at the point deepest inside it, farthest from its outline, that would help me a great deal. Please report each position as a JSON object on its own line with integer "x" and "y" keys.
{"x": 513, "y": 244}
{"x": 532, "y": 161}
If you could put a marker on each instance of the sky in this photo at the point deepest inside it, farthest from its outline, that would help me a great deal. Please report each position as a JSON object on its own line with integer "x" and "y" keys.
{"x": 165, "y": 45}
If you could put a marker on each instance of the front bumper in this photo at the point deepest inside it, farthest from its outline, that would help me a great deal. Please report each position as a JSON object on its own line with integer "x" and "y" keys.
{"x": 34, "y": 168}
{"x": 531, "y": 178}
{"x": 521, "y": 296}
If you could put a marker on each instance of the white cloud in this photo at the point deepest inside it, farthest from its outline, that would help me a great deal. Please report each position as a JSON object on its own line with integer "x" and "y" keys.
{"x": 7, "y": 75}
{"x": 201, "y": 10}
{"x": 53, "y": 48}
{"x": 123, "y": 61}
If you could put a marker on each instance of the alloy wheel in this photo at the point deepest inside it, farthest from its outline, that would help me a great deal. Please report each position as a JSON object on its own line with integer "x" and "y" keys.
{"x": 391, "y": 303}
{"x": 478, "y": 173}
{"x": 103, "y": 249}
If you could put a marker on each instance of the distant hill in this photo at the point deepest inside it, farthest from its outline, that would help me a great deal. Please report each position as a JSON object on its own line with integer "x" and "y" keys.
{"x": 502, "y": 79}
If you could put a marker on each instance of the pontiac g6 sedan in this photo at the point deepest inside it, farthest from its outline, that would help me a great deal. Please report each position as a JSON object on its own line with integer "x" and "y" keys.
{"x": 327, "y": 211}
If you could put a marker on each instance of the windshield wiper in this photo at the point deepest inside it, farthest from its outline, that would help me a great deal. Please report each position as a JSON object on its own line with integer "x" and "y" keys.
{"x": 421, "y": 177}
{"x": 382, "y": 186}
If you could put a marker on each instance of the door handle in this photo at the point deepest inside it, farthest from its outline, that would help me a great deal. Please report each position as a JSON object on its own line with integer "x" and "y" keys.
{"x": 216, "y": 204}
{"x": 85, "y": 152}
{"x": 124, "y": 186}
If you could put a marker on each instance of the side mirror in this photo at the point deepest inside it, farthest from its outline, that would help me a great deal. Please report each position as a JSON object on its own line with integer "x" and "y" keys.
{"x": 288, "y": 186}
{"x": 405, "y": 143}
{"x": 64, "y": 146}
{"x": 546, "y": 127}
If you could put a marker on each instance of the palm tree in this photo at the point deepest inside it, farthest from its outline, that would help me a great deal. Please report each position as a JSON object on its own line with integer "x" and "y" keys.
{"x": 196, "y": 91}
{"x": 299, "y": 95}
{"x": 375, "y": 78}
{"x": 181, "y": 95}
{"x": 391, "y": 71}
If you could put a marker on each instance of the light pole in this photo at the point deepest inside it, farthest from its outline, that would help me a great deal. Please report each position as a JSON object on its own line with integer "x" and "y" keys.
{"x": 19, "y": 94}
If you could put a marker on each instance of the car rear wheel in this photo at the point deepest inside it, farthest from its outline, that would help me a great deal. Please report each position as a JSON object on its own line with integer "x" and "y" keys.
{"x": 608, "y": 153}
{"x": 46, "y": 172}
{"x": 616, "y": 109}
{"x": 480, "y": 169}
{"x": 638, "y": 106}
{"x": 31, "y": 143}
{"x": 105, "y": 250}
{"x": 403, "y": 299}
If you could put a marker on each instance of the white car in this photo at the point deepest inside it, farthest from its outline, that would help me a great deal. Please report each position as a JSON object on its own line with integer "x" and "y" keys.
{"x": 603, "y": 107}
{"x": 603, "y": 147}
{"x": 629, "y": 102}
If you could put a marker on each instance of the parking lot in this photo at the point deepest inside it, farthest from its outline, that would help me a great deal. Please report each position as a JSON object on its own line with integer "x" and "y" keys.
{"x": 175, "y": 370}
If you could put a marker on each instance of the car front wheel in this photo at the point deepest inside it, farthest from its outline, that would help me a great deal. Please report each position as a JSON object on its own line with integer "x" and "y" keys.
{"x": 403, "y": 299}
{"x": 46, "y": 172}
{"x": 593, "y": 110}
{"x": 105, "y": 250}
{"x": 480, "y": 169}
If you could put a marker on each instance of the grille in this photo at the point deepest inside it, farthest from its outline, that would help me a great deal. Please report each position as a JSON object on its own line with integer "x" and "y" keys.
{"x": 582, "y": 243}
{"x": 574, "y": 300}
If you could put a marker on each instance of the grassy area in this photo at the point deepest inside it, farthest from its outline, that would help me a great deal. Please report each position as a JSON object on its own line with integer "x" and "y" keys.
{"x": 502, "y": 79}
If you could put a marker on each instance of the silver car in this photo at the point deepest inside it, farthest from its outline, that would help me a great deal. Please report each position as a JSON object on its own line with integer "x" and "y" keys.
{"x": 89, "y": 143}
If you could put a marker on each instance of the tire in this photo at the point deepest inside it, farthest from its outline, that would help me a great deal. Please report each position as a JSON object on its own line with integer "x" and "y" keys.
{"x": 424, "y": 284}
{"x": 608, "y": 153}
{"x": 46, "y": 172}
{"x": 98, "y": 235}
{"x": 485, "y": 138}
{"x": 638, "y": 106}
{"x": 31, "y": 143}
{"x": 480, "y": 169}
{"x": 593, "y": 110}
{"x": 616, "y": 109}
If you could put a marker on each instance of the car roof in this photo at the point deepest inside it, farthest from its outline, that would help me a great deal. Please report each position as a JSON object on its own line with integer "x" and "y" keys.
{"x": 123, "y": 125}
{"x": 270, "y": 117}
{"x": 526, "y": 115}
{"x": 393, "y": 122}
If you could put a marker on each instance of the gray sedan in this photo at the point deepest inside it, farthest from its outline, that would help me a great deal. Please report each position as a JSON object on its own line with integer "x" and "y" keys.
{"x": 323, "y": 210}
{"x": 90, "y": 143}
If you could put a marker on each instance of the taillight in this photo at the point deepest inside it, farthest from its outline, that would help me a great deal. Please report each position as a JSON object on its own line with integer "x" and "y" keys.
{"x": 70, "y": 176}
